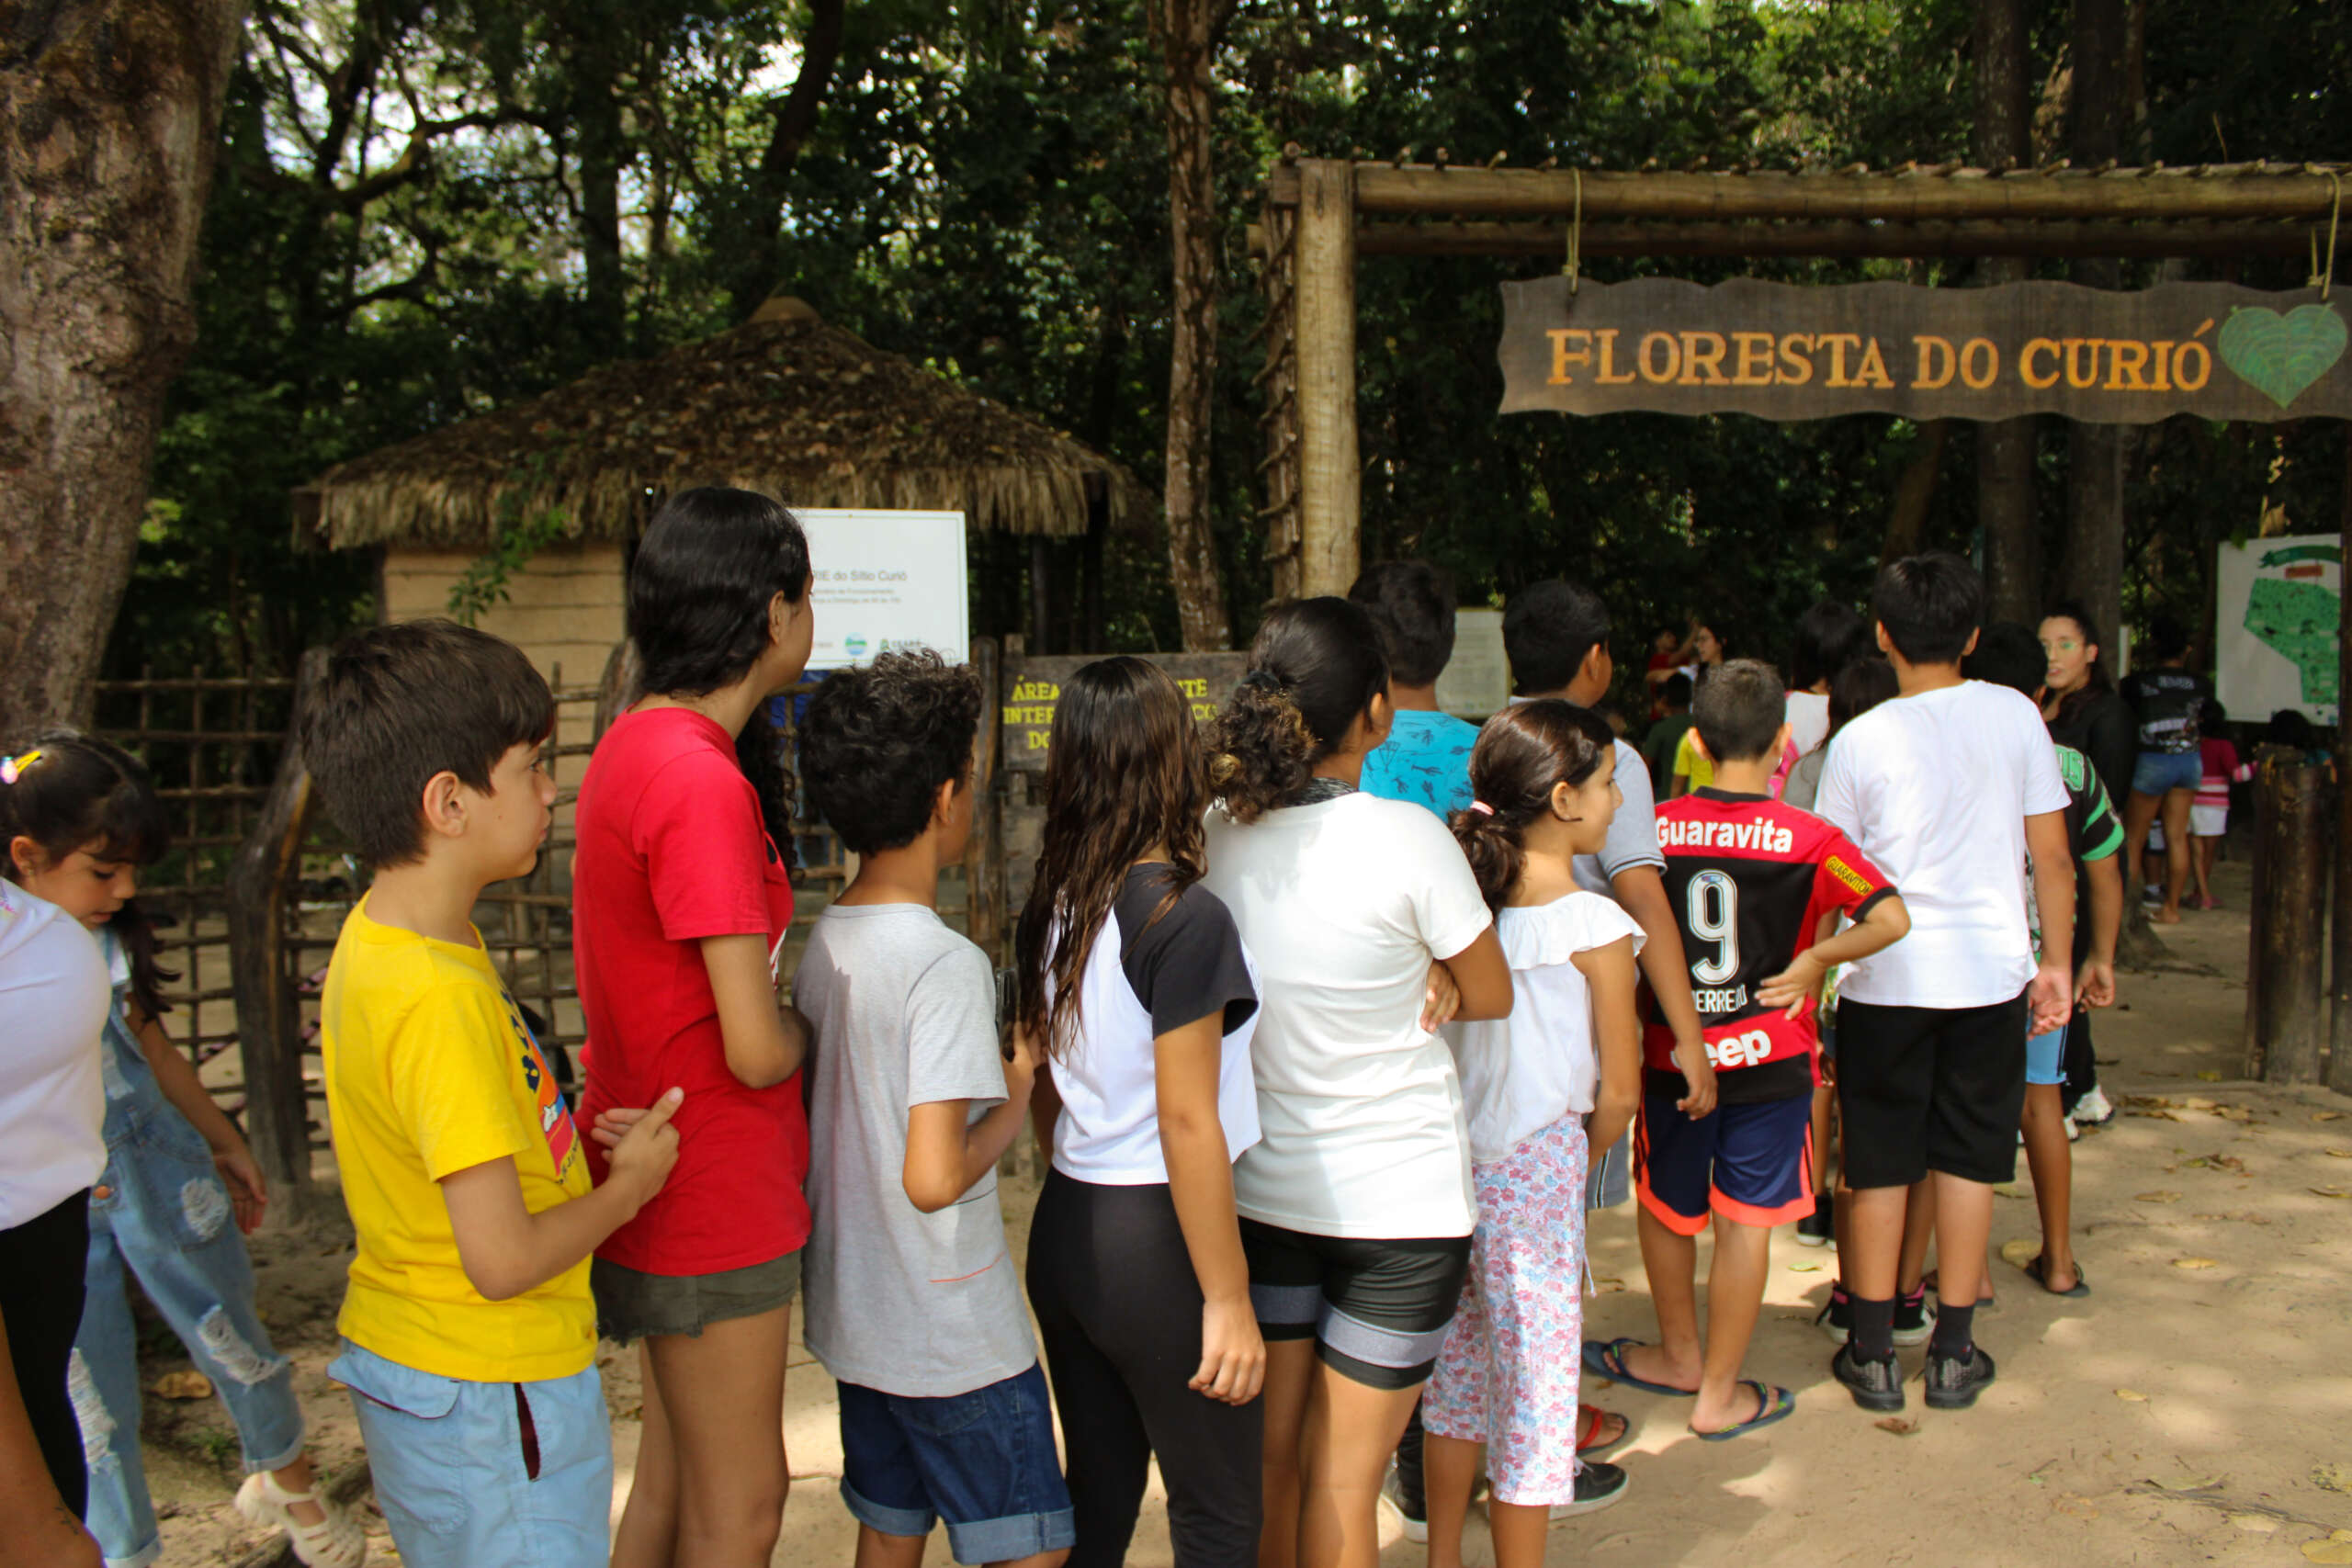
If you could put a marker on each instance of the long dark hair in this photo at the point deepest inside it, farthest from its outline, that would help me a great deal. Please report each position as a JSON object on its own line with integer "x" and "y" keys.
{"x": 1522, "y": 754}
{"x": 1314, "y": 668}
{"x": 1858, "y": 688}
{"x": 80, "y": 792}
{"x": 2097, "y": 682}
{"x": 698, "y": 593}
{"x": 1126, "y": 771}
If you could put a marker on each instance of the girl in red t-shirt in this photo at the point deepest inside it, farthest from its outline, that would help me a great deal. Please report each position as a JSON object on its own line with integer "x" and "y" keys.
{"x": 680, "y": 902}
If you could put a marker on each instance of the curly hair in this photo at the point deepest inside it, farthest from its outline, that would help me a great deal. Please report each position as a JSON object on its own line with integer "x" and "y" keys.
{"x": 1522, "y": 754}
{"x": 1314, "y": 670}
{"x": 1125, "y": 773}
{"x": 878, "y": 741}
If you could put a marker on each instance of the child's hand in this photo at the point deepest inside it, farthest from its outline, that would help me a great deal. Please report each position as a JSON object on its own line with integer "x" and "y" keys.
{"x": 1233, "y": 1356}
{"x": 648, "y": 1148}
{"x": 2052, "y": 996}
{"x": 2095, "y": 987}
{"x": 1441, "y": 1000}
{"x": 1698, "y": 1079}
{"x": 1793, "y": 988}
{"x": 248, "y": 1189}
{"x": 1020, "y": 1067}
{"x": 613, "y": 1125}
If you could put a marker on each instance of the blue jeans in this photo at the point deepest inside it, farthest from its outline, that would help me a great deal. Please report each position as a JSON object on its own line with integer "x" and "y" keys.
{"x": 161, "y": 1212}
{"x": 485, "y": 1475}
{"x": 984, "y": 1462}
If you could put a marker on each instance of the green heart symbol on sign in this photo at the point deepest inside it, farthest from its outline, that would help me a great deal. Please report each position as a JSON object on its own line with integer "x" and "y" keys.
{"x": 2281, "y": 356}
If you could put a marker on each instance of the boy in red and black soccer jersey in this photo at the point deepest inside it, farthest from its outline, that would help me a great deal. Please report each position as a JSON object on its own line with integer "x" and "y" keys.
{"x": 1752, "y": 883}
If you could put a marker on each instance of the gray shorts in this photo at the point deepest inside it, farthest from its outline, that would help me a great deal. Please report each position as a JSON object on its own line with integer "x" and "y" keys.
{"x": 630, "y": 1305}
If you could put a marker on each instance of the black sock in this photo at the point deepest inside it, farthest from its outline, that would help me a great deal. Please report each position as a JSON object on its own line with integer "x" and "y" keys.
{"x": 1873, "y": 1328}
{"x": 1954, "y": 1327}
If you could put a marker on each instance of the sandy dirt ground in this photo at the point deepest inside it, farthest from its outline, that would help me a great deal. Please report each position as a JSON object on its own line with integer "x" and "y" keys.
{"x": 2196, "y": 1408}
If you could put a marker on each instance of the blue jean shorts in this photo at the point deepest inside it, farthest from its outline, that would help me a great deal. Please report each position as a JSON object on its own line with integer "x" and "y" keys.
{"x": 485, "y": 1475}
{"x": 984, "y": 1462}
{"x": 2156, "y": 773}
{"x": 2045, "y": 1057}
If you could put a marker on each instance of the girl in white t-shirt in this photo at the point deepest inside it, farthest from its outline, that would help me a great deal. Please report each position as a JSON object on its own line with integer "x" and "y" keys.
{"x": 1368, "y": 928}
{"x": 1133, "y": 980}
{"x": 1560, "y": 1075}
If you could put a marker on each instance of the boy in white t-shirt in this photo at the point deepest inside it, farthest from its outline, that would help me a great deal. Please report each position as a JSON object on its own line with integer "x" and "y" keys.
{"x": 1945, "y": 788}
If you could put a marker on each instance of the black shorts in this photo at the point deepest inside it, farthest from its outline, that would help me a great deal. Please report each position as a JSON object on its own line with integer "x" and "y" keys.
{"x": 1930, "y": 1088}
{"x": 1378, "y": 1310}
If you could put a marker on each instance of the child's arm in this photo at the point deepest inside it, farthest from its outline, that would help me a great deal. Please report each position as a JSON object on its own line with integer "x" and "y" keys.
{"x": 175, "y": 1076}
{"x": 1883, "y": 924}
{"x": 2095, "y": 985}
{"x": 766, "y": 1041}
{"x": 2053, "y": 991}
{"x": 1200, "y": 1179}
{"x": 1481, "y": 977}
{"x": 946, "y": 1155}
{"x": 1617, "y": 1036}
{"x": 1045, "y": 1109}
{"x": 1641, "y": 893}
{"x": 506, "y": 1249}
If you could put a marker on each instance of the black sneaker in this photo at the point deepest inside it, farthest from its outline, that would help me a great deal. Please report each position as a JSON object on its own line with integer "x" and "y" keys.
{"x": 1836, "y": 1319}
{"x": 1911, "y": 1326}
{"x": 1820, "y": 1227}
{"x": 1875, "y": 1385}
{"x": 1954, "y": 1381}
{"x": 1598, "y": 1485}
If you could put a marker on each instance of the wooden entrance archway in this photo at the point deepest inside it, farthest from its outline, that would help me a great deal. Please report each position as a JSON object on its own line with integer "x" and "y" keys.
{"x": 1320, "y": 214}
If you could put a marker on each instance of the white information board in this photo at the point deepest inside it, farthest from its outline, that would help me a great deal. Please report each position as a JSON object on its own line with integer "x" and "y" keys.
{"x": 886, "y": 579}
{"x": 2279, "y": 615}
{"x": 1475, "y": 681}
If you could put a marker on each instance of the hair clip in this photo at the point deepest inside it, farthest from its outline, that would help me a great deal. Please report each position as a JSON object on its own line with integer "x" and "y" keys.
{"x": 1482, "y": 808}
{"x": 13, "y": 768}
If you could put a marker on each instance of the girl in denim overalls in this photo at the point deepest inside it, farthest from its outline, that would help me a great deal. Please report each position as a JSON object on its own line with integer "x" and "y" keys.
{"x": 78, "y": 818}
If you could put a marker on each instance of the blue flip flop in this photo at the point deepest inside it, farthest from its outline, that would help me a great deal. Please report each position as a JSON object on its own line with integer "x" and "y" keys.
{"x": 1772, "y": 1405}
{"x": 1608, "y": 1360}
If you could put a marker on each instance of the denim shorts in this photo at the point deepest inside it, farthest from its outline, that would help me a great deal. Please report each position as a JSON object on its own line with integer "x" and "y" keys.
{"x": 984, "y": 1462}
{"x": 485, "y": 1475}
{"x": 2158, "y": 773}
{"x": 2045, "y": 1057}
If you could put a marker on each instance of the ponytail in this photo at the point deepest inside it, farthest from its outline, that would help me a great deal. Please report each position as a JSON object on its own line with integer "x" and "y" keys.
{"x": 1522, "y": 754}
{"x": 67, "y": 791}
{"x": 1314, "y": 670}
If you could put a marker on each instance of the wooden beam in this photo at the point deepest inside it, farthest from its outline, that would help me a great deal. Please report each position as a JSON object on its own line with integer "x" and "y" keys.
{"x": 2243, "y": 192}
{"x": 1330, "y": 481}
{"x": 2221, "y": 240}
{"x": 984, "y": 911}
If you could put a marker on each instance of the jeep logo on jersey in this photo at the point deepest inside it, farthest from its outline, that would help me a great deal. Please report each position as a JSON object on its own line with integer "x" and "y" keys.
{"x": 1739, "y": 1050}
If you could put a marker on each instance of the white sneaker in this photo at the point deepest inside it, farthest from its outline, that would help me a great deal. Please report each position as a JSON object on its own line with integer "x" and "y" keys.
{"x": 2073, "y": 1132}
{"x": 335, "y": 1542}
{"x": 2094, "y": 1110}
{"x": 1392, "y": 1493}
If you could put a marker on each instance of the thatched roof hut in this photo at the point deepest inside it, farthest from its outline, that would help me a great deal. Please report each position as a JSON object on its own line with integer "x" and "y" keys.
{"x": 783, "y": 404}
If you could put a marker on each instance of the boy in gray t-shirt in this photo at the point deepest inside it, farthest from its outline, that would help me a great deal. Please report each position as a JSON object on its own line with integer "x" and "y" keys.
{"x": 912, "y": 1303}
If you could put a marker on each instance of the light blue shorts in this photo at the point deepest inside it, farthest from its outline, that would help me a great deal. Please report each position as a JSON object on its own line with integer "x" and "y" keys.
{"x": 485, "y": 1475}
{"x": 2045, "y": 1057}
{"x": 2161, "y": 773}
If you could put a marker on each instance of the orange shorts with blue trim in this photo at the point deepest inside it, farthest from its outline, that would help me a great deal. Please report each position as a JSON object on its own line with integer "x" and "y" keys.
{"x": 1750, "y": 1162}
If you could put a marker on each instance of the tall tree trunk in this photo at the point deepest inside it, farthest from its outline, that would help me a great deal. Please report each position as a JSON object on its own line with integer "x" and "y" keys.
{"x": 2099, "y": 128}
{"x": 2006, "y": 448}
{"x": 1906, "y": 521}
{"x": 602, "y": 150}
{"x": 1186, "y": 32}
{"x": 108, "y": 114}
{"x": 792, "y": 118}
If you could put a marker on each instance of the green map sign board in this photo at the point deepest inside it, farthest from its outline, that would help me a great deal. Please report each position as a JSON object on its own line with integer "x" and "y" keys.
{"x": 2278, "y": 622}
{"x": 1034, "y": 686}
{"x": 1789, "y": 351}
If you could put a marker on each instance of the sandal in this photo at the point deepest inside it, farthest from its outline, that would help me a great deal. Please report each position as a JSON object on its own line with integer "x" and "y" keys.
{"x": 2037, "y": 1271}
{"x": 1771, "y": 1405}
{"x": 1591, "y": 1419}
{"x": 333, "y": 1542}
{"x": 1608, "y": 1360}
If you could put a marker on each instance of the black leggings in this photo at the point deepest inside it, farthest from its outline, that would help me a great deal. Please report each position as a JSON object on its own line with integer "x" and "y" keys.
{"x": 1120, "y": 1309}
{"x": 40, "y": 1301}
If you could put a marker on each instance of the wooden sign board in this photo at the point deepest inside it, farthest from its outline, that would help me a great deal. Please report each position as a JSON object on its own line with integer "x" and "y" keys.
{"x": 1791, "y": 352}
{"x": 1034, "y": 686}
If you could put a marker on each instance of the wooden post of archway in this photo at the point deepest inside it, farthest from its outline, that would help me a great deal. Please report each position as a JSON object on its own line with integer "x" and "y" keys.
{"x": 1331, "y": 486}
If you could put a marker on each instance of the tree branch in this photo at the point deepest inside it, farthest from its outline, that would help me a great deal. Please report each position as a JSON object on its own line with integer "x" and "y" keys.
{"x": 796, "y": 113}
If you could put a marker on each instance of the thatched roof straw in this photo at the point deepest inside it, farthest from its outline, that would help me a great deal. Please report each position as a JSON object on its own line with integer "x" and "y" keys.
{"x": 783, "y": 404}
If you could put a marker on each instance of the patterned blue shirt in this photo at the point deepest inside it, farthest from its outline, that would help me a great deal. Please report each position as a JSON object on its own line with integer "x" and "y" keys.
{"x": 1425, "y": 760}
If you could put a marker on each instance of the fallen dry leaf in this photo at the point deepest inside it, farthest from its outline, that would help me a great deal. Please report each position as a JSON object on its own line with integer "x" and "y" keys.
{"x": 2156, "y": 1197}
{"x": 2337, "y": 1154}
{"x": 2155, "y": 1115}
{"x": 2192, "y": 1263}
{"x": 2332, "y": 1477}
{"x": 2019, "y": 1253}
{"x": 2255, "y": 1524}
{"x": 181, "y": 1385}
{"x": 1804, "y": 1268}
{"x": 2078, "y": 1508}
{"x": 1898, "y": 1426}
{"x": 2336, "y": 1548}
{"x": 2332, "y": 1192}
{"x": 2327, "y": 1116}
{"x": 2131, "y": 1395}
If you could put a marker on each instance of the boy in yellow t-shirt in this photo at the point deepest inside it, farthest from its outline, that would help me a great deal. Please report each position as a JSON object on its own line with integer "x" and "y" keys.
{"x": 469, "y": 1334}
